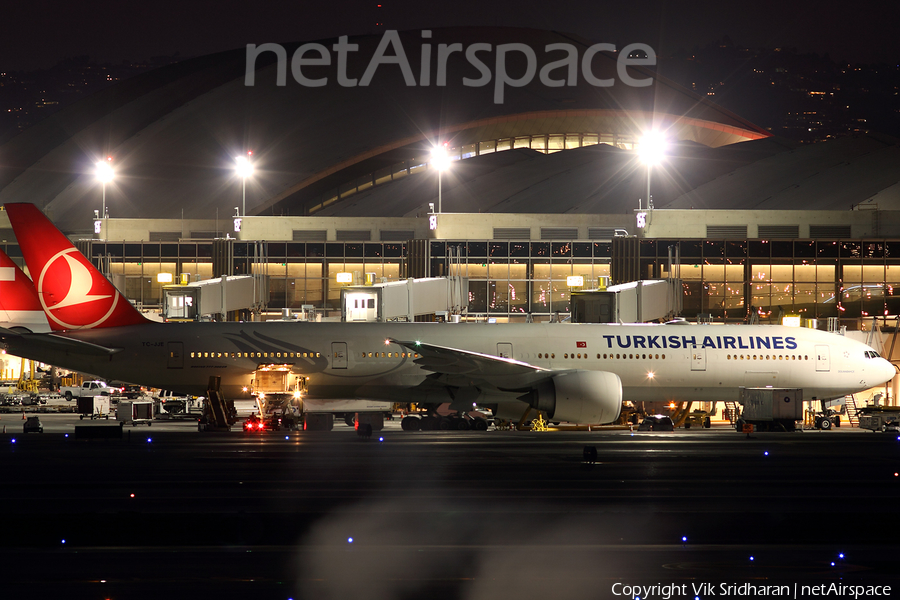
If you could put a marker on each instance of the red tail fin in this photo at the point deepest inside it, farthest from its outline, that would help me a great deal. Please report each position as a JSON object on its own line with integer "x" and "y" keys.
{"x": 19, "y": 304}
{"x": 73, "y": 294}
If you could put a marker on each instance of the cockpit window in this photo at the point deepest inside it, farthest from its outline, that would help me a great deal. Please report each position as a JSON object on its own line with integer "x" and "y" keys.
{"x": 872, "y": 354}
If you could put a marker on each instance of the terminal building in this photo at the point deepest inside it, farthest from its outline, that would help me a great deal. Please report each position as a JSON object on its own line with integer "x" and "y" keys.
{"x": 545, "y": 185}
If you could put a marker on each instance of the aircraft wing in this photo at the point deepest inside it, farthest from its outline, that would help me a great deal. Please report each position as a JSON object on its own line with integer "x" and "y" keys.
{"x": 456, "y": 364}
{"x": 48, "y": 342}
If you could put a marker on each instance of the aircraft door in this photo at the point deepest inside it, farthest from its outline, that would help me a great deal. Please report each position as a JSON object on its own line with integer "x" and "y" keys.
{"x": 338, "y": 355}
{"x": 698, "y": 359}
{"x": 176, "y": 355}
{"x": 504, "y": 350}
{"x": 823, "y": 359}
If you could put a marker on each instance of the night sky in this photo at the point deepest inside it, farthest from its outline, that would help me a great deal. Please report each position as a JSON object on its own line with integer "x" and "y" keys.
{"x": 38, "y": 34}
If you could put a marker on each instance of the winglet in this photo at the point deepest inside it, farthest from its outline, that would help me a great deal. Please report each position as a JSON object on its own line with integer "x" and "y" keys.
{"x": 72, "y": 293}
{"x": 19, "y": 304}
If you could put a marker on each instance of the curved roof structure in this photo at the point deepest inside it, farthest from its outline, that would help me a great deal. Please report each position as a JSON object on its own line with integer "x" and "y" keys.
{"x": 173, "y": 132}
{"x": 834, "y": 175}
{"x": 593, "y": 179}
{"x": 764, "y": 174}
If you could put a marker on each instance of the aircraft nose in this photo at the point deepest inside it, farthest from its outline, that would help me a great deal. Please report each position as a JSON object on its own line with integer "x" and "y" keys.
{"x": 886, "y": 370}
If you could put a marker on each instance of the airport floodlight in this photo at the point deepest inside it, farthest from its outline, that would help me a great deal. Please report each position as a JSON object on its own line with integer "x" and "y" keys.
{"x": 652, "y": 147}
{"x": 440, "y": 160}
{"x": 651, "y": 150}
{"x": 164, "y": 278}
{"x": 243, "y": 166}
{"x": 104, "y": 171}
{"x": 244, "y": 169}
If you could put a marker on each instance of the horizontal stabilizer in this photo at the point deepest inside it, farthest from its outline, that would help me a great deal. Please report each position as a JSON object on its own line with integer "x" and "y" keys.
{"x": 53, "y": 343}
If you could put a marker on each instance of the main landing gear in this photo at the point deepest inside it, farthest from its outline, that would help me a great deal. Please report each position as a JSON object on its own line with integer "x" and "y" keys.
{"x": 438, "y": 423}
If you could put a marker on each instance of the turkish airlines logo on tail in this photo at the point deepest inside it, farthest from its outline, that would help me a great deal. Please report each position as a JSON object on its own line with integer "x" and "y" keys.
{"x": 66, "y": 277}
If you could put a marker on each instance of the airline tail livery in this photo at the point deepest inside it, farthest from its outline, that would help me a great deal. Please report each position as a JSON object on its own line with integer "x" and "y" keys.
{"x": 19, "y": 304}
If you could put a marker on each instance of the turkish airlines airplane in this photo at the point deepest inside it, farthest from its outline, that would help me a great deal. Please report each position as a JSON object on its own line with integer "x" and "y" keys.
{"x": 578, "y": 373}
{"x": 19, "y": 303}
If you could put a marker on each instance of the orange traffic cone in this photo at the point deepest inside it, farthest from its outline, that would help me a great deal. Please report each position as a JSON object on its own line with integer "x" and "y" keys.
{"x": 23, "y": 415}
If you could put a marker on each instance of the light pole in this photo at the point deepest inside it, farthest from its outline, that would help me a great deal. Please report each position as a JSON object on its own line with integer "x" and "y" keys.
{"x": 440, "y": 161}
{"x": 244, "y": 169}
{"x": 652, "y": 151}
{"x": 104, "y": 173}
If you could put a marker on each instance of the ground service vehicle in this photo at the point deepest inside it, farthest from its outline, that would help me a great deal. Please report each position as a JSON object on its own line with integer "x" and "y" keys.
{"x": 136, "y": 412}
{"x": 700, "y": 418}
{"x": 88, "y": 388}
{"x": 95, "y": 407}
{"x": 657, "y": 423}
{"x": 771, "y": 409}
{"x": 880, "y": 418}
{"x": 33, "y": 425}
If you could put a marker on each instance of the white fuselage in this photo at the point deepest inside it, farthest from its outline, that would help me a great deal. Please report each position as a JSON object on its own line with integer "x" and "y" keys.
{"x": 351, "y": 360}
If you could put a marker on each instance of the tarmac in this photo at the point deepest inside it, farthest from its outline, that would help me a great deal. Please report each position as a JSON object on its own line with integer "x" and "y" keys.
{"x": 170, "y": 511}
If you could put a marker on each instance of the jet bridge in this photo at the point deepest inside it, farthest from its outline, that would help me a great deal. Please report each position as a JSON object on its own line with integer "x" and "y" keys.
{"x": 210, "y": 297}
{"x": 404, "y": 300}
{"x": 633, "y": 302}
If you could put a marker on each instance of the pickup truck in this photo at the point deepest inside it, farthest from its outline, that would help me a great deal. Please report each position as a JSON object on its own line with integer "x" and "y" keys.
{"x": 89, "y": 388}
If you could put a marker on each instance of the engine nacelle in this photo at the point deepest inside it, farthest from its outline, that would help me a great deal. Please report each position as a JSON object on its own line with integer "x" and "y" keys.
{"x": 589, "y": 397}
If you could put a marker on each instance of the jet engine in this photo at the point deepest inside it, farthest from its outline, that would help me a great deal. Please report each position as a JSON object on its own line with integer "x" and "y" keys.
{"x": 578, "y": 397}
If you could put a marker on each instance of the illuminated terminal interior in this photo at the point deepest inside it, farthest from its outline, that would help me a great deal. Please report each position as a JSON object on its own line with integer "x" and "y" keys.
{"x": 509, "y": 279}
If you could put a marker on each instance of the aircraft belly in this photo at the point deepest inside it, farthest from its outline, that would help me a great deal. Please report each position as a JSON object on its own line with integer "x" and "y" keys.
{"x": 680, "y": 394}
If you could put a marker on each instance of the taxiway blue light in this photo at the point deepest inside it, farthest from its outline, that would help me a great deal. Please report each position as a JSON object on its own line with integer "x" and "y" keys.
{"x": 67, "y": 435}
{"x": 683, "y": 538}
{"x": 832, "y": 563}
{"x": 63, "y": 541}
{"x": 149, "y": 440}
{"x": 14, "y": 441}
{"x": 349, "y": 540}
{"x": 751, "y": 558}
{"x": 287, "y": 437}
{"x": 381, "y": 439}
{"x": 766, "y": 453}
{"x": 841, "y": 555}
